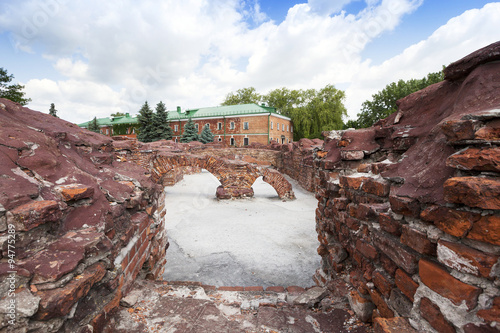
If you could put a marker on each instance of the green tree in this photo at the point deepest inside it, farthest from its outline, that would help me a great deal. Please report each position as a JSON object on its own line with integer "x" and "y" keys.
{"x": 383, "y": 103}
{"x": 52, "y": 110}
{"x": 243, "y": 96}
{"x": 13, "y": 91}
{"x": 94, "y": 126}
{"x": 206, "y": 135}
{"x": 312, "y": 111}
{"x": 146, "y": 125}
{"x": 190, "y": 133}
{"x": 118, "y": 114}
{"x": 161, "y": 125}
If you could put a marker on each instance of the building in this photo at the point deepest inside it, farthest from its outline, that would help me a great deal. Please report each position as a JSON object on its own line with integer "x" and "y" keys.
{"x": 235, "y": 125}
{"x": 120, "y": 125}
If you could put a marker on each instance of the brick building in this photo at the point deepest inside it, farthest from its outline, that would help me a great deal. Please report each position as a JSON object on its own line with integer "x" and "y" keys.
{"x": 235, "y": 125}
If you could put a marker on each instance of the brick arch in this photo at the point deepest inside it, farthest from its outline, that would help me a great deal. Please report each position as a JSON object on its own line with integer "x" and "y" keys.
{"x": 236, "y": 177}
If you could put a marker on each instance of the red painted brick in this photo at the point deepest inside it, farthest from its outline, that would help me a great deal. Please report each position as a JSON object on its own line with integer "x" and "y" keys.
{"x": 479, "y": 192}
{"x": 406, "y": 284}
{"x": 366, "y": 249}
{"x": 433, "y": 315}
{"x": 389, "y": 224}
{"x": 405, "y": 206}
{"x": 417, "y": 240}
{"x": 383, "y": 283}
{"x": 381, "y": 305}
{"x": 491, "y": 314}
{"x": 466, "y": 259}
{"x": 438, "y": 279}
{"x": 454, "y": 222}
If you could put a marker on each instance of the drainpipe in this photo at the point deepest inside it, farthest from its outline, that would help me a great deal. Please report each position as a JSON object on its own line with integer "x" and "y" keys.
{"x": 268, "y": 126}
{"x": 224, "y": 117}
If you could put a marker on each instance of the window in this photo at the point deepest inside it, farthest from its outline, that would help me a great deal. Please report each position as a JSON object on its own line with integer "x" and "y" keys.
{"x": 245, "y": 141}
{"x": 219, "y": 126}
{"x": 231, "y": 142}
{"x": 197, "y": 126}
{"x": 278, "y": 126}
{"x": 231, "y": 125}
{"x": 176, "y": 140}
{"x": 270, "y": 140}
{"x": 207, "y": 125}
{"x": 176, "y": 128}
{"x": 271, "y": 125}
{"x": 245, "y": 125}
{"x": 291, "y": 129}
{"x": 219, "y": 139}
{"x": 283, "y": 127}
{"x": 288, "y": 128}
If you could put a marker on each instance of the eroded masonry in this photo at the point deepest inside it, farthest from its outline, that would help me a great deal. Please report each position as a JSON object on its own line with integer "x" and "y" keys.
{"x": 408, "y": 210}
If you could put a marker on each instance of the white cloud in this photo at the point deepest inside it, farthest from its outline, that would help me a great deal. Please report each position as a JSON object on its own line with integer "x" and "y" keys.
{"x": 116, "y": 54}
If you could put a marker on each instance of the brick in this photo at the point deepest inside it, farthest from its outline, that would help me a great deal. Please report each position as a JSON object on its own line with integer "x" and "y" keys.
{"x": 361, "y": 306}
{"x": 381, "y": 305}
{"x": 389, "y": 224}
{"x": 74, "y": 192}
{"x": 231, "y": 288}
{"x": 438, "y": 279}
{"x": 471, "y": 328}
{"x": 400, "y": 303}
{"x": 491, "y": 314}
{"x": 367, "y": 212}
{"x": 417, "y": 240}
{"x": 255, "y": 288}
{"x": 487, "y": 230}
{"x": 387, "y": 264}
{"x": 465, "y": 259}
{"x": 353, "y": 224}
{"x": 396, "y": 252}
{"x": 392, "y": 325}
{"x": 458, "y": 130}
{"x": 433, "y": 315}
{"x": 404, "y": 205}
{"x": 478, "y": 159}
{"x": 340, "y": 203}
{"x": 406, "y": 284}
{"x": 276, "y": 289}
{"x": 33, "y": 214}
{"x": 478, "y": 192}
{"x": 351, "y": 182}
{"x": 454, "y": 222}
{"x": 378, "y": 187}
{"x": 490, "y": 132}
{"x": 383, "y": 283}
{"x": 366, "y": 249}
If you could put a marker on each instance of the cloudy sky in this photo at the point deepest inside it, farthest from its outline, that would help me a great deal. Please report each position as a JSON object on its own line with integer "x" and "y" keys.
{"x": 93, "y": 57}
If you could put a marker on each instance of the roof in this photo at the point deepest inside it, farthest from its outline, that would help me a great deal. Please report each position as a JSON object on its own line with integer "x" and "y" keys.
{"x": 209, "y": 112}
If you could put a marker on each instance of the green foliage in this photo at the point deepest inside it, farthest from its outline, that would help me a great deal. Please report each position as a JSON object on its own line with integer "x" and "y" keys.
{"x": 52, "y": 110}
{"x": 94, "y": 126}
{"x": 122, "y": 129}
{"x": 146, "y": 125}
{"x": 383, "y": 103}
{"x": 190, "y": 133}
{"x": 243, "y": 96}
{"x": 14, "y": 91}
{"x": 206, "y": 135}
{"x": 312, "y": 111}
{"x": 162, "y": 129}
{"x": 118, "y": 114}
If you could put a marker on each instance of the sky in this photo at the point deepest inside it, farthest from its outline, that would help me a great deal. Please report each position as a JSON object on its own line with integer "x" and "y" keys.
{"x": 92, "y": 58}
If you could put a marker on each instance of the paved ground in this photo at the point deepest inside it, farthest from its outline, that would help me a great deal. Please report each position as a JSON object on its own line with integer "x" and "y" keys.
{"x": 157, "y": 307}
{"x": 260, "y": 241}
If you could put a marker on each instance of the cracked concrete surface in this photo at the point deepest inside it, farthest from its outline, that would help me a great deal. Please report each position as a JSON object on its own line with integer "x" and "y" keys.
{"x": 260, "y": 241}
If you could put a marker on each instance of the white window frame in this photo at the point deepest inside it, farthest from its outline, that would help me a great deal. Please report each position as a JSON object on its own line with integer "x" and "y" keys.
{"x": 277, "y": 126}
{"x": 231, "y": 125}
{"x": 283, "y": 127}
{"x": 246, "y": 125}
{"x": 207, "y": 125}
{"x": 271, "y": 125}
{"x": 231, "y": 142}
{"x": 176, "y": 128}
{"x": 219, "y": 126}
{"x": 246, "y": 141}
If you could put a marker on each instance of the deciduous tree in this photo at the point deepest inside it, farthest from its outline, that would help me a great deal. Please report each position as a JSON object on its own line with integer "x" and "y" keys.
{"x": 243, "y": 96}
{"x": 11, "y": 91}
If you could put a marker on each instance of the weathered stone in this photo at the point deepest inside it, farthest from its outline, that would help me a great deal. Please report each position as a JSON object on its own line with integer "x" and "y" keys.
{"x": 400, "y": 303}
{"x": 33, "y": 214}
{"x": 383, "y": 283}
{"x": 58, "y": 302}
{"x": 490, "y": 132}
{"x": 417, "y": 240}
{"x": 465, "y": 259}
{"x": 433, "y": 315}
{"x": 454, "y": 222}
{"x": 479, "y": 159}
{"x": 404, "y": 205}
{"x": 459, "y": 130}
{"x": 461, "y": 68}
{"x": 352, "y": 155}
{"x": 26, "y": 304}
{"x": 74, "y": 192}
{"x": 438, "y": 279}
{"x": 366, "y": 249}
{"x": 392, "y": 325}
{"x": 389, "y": 224}
{"x": 311, "y": 296}
{"x": 487, "y": 230}
{"x": 479, "y": 192}
{"x": 381, "y": 305}
{"x": 471, "y": 328}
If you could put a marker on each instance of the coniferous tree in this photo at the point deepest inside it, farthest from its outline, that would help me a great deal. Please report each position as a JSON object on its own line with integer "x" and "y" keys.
{"x": 162, "y": 129}
{"x": 52, "y": 110}
{"x": 94, "y": 126}
{"x": 190, "y": 132}
{"x": 146, "y": 125}
{"x": 206, "y": 135}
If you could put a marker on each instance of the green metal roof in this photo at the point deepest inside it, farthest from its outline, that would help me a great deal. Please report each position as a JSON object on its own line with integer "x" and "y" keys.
{"x": 216, "y": 112}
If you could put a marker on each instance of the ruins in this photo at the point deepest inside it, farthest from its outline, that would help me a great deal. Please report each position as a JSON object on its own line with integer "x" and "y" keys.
{"x": 408, "y": 210}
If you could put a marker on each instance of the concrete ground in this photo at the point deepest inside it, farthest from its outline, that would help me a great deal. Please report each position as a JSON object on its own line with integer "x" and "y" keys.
{"x": 260, "y": 241}
{"x": 152, "y": 306}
